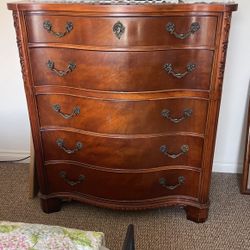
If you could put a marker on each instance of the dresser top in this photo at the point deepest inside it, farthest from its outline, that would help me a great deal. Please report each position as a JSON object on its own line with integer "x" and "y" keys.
{"x": 132, "y": 6}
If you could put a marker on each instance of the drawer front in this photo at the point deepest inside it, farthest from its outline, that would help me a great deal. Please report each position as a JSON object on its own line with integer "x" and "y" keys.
{"x": 174, "y": 31}
{"x": 122, "y": 186}
{"x": 123, "y": 117}
{"x": 123, "y": 153}
{"x": 122, "y": 71}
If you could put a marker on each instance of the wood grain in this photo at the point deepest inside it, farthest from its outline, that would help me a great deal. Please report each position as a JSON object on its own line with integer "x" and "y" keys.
{"x": 139, "y": 31}
{"x": 124, "y": 117}
{"x": 122, "y": 71}
{"x": 122, "y": 153}
{"x": 117, "y": 186}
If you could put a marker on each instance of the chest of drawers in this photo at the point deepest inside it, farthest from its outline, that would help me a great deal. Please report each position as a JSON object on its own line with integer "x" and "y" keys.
{"x": 123, "y": 101}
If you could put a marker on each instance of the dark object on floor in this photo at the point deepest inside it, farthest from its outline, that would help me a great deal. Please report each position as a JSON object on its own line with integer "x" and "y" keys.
{"x": 245, "y": 180}
{"x": 129, "y": 242}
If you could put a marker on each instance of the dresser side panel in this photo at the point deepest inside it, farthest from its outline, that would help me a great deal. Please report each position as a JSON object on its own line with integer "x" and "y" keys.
{"x": 214, "y": 105}
{"x": 21, "y": 38}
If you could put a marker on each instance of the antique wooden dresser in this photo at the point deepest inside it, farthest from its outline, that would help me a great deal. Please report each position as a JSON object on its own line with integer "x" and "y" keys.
{"x": 123, "y": 100}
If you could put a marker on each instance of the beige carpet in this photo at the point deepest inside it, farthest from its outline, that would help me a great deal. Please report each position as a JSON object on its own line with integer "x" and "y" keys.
{"x": 228, "y": 225}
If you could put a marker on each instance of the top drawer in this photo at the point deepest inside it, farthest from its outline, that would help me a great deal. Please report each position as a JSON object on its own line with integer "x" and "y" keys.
{"x": 173, "y": 31}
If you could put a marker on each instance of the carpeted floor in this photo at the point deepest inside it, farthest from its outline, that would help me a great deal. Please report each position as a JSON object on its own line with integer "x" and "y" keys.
{"x": 228, "y": 225}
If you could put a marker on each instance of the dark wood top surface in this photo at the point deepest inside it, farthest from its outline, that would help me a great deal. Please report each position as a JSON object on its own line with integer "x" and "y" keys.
{"x": 130, "y": 8}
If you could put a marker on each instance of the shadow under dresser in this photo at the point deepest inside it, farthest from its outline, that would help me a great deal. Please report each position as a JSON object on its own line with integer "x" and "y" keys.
{"x": 123, "y": 100}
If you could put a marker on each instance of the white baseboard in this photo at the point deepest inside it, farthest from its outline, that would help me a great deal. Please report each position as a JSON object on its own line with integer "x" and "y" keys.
{"x": 227, "y": 167}
{"x": 14, "y": 155}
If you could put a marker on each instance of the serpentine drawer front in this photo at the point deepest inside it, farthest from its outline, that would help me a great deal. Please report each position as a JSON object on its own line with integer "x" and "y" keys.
{"x": 122, "y": 31}
{"x": 123, "y": 100}
{"x": 122, "y": 71}
{"x": 116, "y": 186}
{"x": 108, "y": 116}
{"x": 123, "y": 153}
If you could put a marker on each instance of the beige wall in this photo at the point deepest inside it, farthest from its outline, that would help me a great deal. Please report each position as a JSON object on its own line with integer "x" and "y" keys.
{"x": 14, "y": 128}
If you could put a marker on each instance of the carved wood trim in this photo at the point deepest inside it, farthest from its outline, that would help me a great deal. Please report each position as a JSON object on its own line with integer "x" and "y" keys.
{"x": 224, "y": 46}
{"x": 214, "y": 106}
{"x": 19, "y": 45}
{"x": 18, "y": 19}
{"x": 127, "y": 205}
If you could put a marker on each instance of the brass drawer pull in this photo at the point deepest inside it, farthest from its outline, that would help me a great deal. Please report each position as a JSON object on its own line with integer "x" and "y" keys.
{"x": 184, "y": 150}
{"x": 48, "y": 26}
{"x": 186, "y": 113}
{"x": 169, "y": 68}
{"x": 118, "y": 29}
{"x": 57, "y": 108}
{"x": 60, "y": 144}
{"x": 170, "y": 27}
{"x": 63, "y": 175}
{"x": 70, "y": 68}
{"x": 163, "y": 182}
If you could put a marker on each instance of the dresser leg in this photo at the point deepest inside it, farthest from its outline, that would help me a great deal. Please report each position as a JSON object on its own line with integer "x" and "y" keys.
{"x": 51, "y": 205}
{"x": 198, "y": 215}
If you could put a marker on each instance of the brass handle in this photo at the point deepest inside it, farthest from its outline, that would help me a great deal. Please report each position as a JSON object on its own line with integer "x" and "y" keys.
{"x": 57, "y": 108}
{"x": 163, "y": 182}
{"x": 186, "y": 113}
{"x": 60, "y": 144}
{"x": 63, "y": 175}
{"x": 170, "y": 27}
{"x": 184, "y": 150}
{"x": 48, "y": 26}
{"x": 169, "y": 68}
{"x": 70, "y": 68}
{"x": 118, "y": 29}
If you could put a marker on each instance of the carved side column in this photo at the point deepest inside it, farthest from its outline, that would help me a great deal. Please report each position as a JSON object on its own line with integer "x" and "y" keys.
{"x": 199, "y": 214}
{"x": 19, "y": 45}
{"x": 214, "y": 106}
{"x": 223, "y": 47}
{"x": 34, "y": 120}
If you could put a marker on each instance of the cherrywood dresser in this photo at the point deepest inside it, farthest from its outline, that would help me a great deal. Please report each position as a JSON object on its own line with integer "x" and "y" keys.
{"x": 123, "y": 100}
